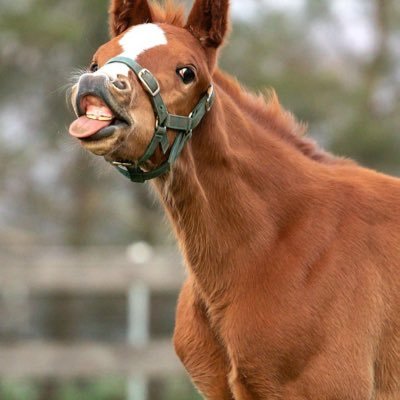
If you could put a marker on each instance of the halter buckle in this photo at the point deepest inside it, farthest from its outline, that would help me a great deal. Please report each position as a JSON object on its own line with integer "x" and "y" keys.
{"x": 145, "y": 84}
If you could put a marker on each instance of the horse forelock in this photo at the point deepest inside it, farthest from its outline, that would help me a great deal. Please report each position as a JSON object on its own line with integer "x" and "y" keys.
{"x": 169, "y": 13}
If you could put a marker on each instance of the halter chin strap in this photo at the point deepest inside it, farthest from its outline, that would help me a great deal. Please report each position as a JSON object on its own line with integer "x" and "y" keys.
{"x": 164, "y": 120}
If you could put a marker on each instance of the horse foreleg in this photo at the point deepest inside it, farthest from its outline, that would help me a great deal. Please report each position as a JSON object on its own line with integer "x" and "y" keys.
{"x": 198, "y": 348}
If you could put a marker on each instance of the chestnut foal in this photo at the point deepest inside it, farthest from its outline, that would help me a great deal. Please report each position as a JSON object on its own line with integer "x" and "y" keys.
{"x": 293, "y": 255}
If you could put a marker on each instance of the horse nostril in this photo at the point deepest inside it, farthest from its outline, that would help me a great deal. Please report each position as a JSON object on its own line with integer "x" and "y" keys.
{"x": 121, "y": 85}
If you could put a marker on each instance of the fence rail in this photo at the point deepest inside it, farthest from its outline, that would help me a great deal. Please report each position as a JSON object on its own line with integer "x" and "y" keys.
{"x": 40, "y": 360}
{"x": 91, "y": 270}
{"x": 111, "y": 270}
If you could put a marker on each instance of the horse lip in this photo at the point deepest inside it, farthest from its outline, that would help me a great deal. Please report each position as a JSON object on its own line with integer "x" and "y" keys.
{"x": 104, "y": 133}
{"x": 97, "y": 88}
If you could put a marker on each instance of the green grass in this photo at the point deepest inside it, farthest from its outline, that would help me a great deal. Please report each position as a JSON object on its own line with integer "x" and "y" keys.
{"x": 177, "y": 388}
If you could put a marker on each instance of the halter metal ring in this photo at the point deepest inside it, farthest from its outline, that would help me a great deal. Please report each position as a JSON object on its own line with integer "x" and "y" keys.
{"x": 146, "y": 85}
{"x": 210, "y": 93}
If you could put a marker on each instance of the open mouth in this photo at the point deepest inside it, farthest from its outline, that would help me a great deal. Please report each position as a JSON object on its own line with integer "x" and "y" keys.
{"x": 96, "y": 120}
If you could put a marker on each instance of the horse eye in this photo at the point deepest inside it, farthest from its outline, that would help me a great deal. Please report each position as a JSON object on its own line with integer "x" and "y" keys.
{"x": 186, "y": 74}
{"x": 94, "y": 67}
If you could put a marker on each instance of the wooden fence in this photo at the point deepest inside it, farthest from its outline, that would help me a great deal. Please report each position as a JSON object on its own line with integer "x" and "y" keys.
{"x": 137, "y": 271}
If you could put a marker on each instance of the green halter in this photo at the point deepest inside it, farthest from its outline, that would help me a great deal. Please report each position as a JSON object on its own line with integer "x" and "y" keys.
{"x": 164, "y": 120}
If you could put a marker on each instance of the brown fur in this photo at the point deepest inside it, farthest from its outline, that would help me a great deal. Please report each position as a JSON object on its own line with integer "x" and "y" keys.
{"x": 208, "y": 21}
{"x": 293, "y": 255}
{"x": 125, "y": 13}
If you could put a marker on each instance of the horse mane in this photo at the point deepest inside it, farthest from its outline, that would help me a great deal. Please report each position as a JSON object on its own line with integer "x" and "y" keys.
{"x": 267, "y": 110}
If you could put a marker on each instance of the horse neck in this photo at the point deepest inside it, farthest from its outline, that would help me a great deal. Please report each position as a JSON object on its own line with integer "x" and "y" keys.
{"x": 231, "y": 192}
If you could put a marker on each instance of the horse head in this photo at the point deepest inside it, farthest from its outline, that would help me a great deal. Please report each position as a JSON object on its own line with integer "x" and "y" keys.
{"x": 151, "y": 84}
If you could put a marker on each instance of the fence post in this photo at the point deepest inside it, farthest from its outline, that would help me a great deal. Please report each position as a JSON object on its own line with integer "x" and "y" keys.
{"x": 138, "y": 334}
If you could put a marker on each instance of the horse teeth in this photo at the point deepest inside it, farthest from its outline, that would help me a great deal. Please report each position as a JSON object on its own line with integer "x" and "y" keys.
{"x": 99, "y": 117}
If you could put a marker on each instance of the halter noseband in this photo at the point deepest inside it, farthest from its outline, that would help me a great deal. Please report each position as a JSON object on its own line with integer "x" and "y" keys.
{"x": 182, "y": 125}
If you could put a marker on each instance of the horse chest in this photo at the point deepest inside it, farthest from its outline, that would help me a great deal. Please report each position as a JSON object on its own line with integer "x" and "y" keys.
{"x": 260, "y": 342}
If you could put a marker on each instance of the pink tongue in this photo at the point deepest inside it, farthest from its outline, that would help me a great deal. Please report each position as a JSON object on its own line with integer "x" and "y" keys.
{"x": 84, "y": 127}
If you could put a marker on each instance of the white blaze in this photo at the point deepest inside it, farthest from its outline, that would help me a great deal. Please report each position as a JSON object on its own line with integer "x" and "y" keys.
{"x": 134, "y": 42}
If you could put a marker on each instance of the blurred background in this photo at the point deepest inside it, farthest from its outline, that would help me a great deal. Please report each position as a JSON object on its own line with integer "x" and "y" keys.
{"x": 89, "y": 274}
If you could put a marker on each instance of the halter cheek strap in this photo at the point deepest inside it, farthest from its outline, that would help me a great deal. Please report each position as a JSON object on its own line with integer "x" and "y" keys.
{"x": 183, "y": 126}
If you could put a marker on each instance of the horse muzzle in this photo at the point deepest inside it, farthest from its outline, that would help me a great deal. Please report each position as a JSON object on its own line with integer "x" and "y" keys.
{"x": 97, "y": 108}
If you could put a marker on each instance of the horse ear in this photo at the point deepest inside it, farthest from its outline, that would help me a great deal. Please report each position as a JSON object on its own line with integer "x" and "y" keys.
{"x": 126, "y": 13}
{"x": 208, "y": 21}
